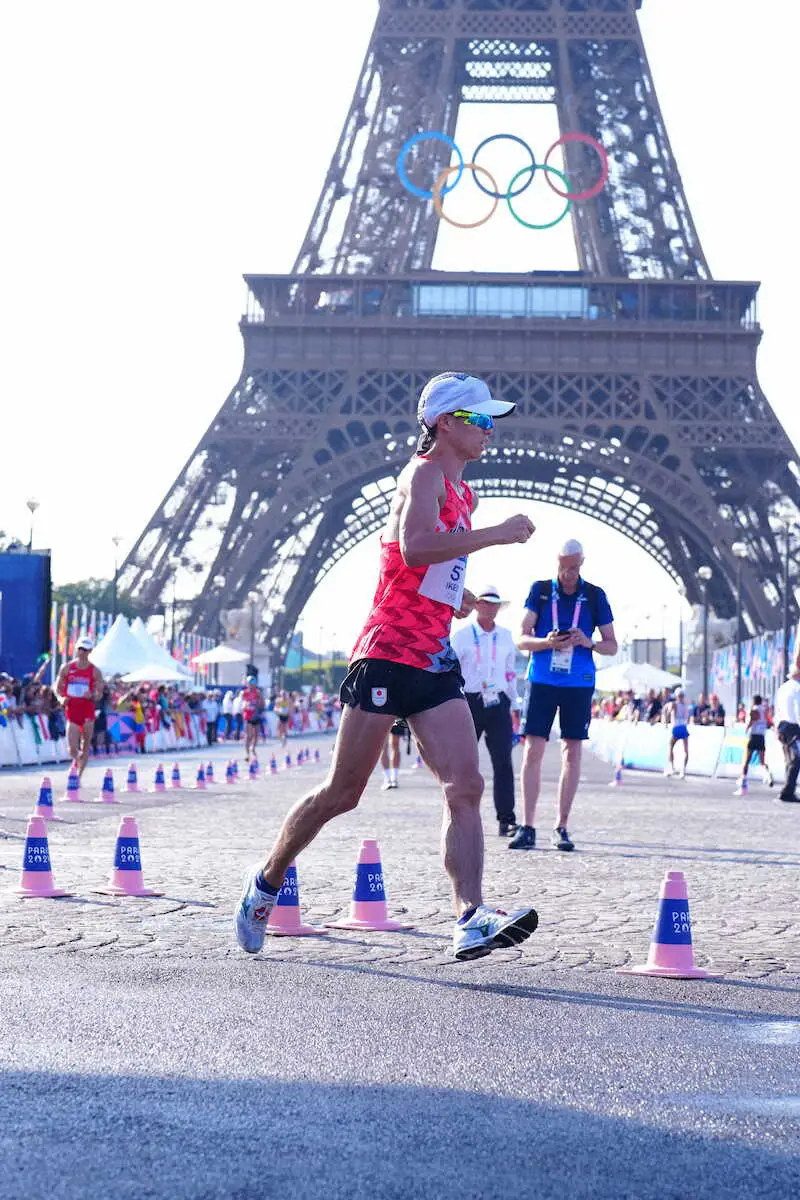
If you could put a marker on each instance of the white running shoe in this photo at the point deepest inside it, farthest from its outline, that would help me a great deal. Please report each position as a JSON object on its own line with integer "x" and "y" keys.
{"x": 739, "y": 791}
{"x": 667, "y": 772}
{"x": 252, "y": 914}
{"x": 492, "y": 929}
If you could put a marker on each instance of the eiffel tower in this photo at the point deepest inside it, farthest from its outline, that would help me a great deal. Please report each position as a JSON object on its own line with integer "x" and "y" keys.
{"x": 634, "y": 377}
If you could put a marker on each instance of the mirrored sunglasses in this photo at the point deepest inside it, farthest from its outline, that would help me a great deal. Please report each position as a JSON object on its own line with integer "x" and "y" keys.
{"x": 482, "y": 420}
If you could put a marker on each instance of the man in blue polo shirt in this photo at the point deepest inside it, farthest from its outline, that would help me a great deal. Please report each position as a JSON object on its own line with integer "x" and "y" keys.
{"x": 561, "y": 615}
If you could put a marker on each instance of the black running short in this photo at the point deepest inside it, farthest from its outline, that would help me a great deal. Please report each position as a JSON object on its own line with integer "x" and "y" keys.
{"x": 396, "y": 690}
{"x": 755, "y": 744}
{"x": 573, "y": 705}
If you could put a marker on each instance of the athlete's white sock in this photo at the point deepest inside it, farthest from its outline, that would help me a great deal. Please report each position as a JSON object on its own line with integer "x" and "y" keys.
{"x": 393, "y": 774}
{"x": 387, "y": 775}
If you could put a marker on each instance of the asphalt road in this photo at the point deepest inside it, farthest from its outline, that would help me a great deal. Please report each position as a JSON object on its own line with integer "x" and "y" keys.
{"x": 144, "y": 1056}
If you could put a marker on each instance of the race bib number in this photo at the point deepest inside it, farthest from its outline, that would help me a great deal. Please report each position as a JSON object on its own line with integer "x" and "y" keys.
{"x": 561, "y": 661}
{"x": 78, "y": 689}
{"x": 445, "y": 582}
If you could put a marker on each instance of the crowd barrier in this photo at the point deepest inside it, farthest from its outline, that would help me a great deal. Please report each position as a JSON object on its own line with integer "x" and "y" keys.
{"x": 27, "y": 741}
{"x": 713, "y": 751}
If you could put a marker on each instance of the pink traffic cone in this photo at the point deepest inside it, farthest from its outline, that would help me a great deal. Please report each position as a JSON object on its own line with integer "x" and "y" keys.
{"x": 287, "y": 766}
{"x": 175, "y": 777}
{"x": 316, "y": 756}
{"x": 210, "y": 772}
{"x": 73, "y": 793}
{"x": 107, "y": 793}
{"x": 617, "y": 780}
{"x": 37, "y": 874}
{"x": 44, "y": 804}
{"x": 285, "y": 920}
{"x": 235, "y": 768}
{"x": 671, "y": 951}
{"x": 126, "y": 875}
{"x": 415, "y": 765}
{"x": 229, "y": 775}
{"x": 252, "y": 770}
{"x": 300, "y": 758}
{"x": 368, "y": 908}
{"x": 158, "y": 781}
{"x": 200, "y": 782}
{"x": 273, "y": 765}
{"x": 132, "y": 782}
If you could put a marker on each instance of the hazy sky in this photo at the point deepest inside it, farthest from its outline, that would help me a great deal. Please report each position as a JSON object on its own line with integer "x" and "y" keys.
{"x": 153, "y": 152}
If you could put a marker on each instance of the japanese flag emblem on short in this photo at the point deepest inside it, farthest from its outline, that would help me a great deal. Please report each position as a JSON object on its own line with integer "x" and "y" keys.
{"x": 379, "y": 697}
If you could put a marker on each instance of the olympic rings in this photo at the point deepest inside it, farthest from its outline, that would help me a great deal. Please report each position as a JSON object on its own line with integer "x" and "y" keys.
{"x": 437, "y": 195}
{"x": 541, "y": 167}
{"x": 439, "y": 190}
{"x": 412, "y": 141}
{"x": 511, "y": 137}
{"x": 596, "y": 188}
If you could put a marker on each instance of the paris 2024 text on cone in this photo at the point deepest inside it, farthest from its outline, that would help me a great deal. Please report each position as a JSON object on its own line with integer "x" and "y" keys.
{"x": 44, "y": 803}
{"x": 37, "y": 873}
{"x": 368, "y": 909}
{"x": 285, "y": 919}
{"x": 671, "y": 953}
{"x": 73, "y": 793}
{"x": 132, "y": 782}
{"x": 126, "y": 875}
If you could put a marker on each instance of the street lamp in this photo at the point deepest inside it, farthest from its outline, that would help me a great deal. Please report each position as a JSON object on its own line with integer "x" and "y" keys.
{"x": 704, "y": 574}
{"x": 32, "y": 507}
{"x": 219, "y": 584}
{"x": 116, "y": 539}
{"x": 739, "y": 550}
{"x": 253, "y": 598}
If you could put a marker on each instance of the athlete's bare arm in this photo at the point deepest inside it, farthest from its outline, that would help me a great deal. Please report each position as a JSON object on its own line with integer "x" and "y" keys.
{"x": 97, "y": 684}
{"x": 418, "y": 505}
{"x": 61, "y": 683}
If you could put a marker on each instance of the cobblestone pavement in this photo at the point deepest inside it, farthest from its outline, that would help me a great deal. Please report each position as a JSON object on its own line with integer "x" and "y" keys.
{"x": 741, "y": 857}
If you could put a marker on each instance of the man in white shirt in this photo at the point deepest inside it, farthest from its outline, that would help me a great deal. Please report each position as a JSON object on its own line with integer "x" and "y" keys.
{"x": 211, "y": 710}
{"x": 787, "y": 720}
{"x": 487, "y": 655}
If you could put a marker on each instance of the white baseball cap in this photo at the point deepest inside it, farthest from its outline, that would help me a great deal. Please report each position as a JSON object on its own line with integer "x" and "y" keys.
{"x": 85, "y": 643}
{"x": 450, "y": 392}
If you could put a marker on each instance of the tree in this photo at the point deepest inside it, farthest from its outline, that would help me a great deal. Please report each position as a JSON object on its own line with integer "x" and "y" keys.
{"x": 97, "y": 593}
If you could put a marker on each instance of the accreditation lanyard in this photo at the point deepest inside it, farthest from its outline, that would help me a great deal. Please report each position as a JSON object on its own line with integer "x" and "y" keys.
{"x": 561, "y": 660}
{"x": 489, "y": 692}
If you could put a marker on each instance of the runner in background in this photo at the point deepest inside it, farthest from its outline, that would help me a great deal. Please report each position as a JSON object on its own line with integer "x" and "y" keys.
{"x": 252, "y": 705}
{"x": 79, "y": 686}
{"x": 390, "y": 755}
{"x": 676, "y": 717}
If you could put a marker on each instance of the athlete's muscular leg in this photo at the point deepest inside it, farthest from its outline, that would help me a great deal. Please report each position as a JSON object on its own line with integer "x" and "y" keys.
{"x": 447, "y": 742}
{"x": 74, "y": 741}
{"x": 358, "y": 746}
{"x": 85, "y": 745}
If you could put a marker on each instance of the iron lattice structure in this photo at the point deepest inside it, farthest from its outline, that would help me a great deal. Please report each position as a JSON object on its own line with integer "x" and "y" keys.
{"x": 635, "y": 377}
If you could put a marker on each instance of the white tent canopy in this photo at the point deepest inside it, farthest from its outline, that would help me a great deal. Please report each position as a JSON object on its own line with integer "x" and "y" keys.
{"x": 639, "y": 676}
{"x": 155, "y": 653}
{"x": 155, "y": 673}
{"x": 118, "y": 652}
{"x": 220, "y": 654}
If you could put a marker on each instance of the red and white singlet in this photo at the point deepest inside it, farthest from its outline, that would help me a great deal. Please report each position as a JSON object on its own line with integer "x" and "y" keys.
{"x": 79, "y": 703}
{"x": 413, "y": 606}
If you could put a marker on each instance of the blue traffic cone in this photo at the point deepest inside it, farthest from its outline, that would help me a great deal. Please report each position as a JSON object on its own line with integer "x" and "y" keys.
{"x": 175, "y": 777}
{"x": 210, "y": 772}
{"x": 37, "y": 873}
{"x": 132, "y": 782}
{"x": 287, "y": 766}
{"x": 73, "y": 792}
{"x": 200, "y": 782}
{"x": 126, "y": 875}
{"x": 273, "y": 765}
{"x": 158, "y": 780}
{"x": 44, "y": 805}
{"x": 252, "y": 770}
{"x": 284, "y": 919}
{"x": 107, "y": 792}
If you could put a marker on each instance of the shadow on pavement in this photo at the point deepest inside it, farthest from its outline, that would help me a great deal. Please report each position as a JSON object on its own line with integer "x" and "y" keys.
{"x": 71, "y": 1137}
{"x": 641, "y": 1004}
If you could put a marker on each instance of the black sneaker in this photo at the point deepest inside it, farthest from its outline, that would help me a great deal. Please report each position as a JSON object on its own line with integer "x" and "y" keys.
{"x": 506, "y": 828}
{"x": 561, "y": 839}
{"x": 524, "y": 839}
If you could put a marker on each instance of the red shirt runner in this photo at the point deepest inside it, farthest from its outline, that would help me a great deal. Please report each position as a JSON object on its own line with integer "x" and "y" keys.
{"x": 79, "y": 703}
{"x": 413, "y": 606}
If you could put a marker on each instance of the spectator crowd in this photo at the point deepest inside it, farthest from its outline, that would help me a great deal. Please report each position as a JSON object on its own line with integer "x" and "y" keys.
{"x": 651, "y": 708}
